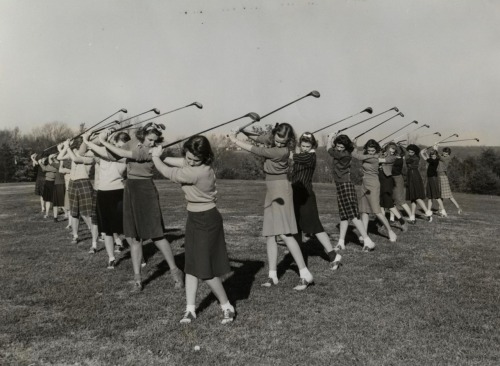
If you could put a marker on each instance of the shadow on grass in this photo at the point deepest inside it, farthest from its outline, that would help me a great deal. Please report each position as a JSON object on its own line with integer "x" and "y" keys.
{"x": 238, "y": 285}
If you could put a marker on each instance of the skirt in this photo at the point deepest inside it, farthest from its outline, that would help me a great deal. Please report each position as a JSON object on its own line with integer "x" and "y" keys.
{"x": 386, "y": 189}
{"x": 93, "y": 214}
{"x": 142, "y": 218}
{"x": 444, "y": 185}
{"x": 415, "y": 189}
{"x": 306, "y": 210}
{"x": 370, "y": 196}
{"x": 205, "y": 245}
{"x": 109, "y": 211}
{"x": 398, "y": 193}
{"x": 347, "y": 200}
{"x": 58, "y": 195}
{"x": 48, "y": 190}
{"x": 80, "y": 197}
{"x": 279, "y": 216}
{"x": 433, "y": 191}
{"x": 40, "y": 180}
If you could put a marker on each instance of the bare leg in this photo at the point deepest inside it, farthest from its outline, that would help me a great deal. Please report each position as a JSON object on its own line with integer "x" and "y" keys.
{"x": 344, "y": 225}
{"x": 325, "y": 241}
{"x": 136, "y": 255}
{"x": 75, "y": 224}
{"x": 191, "y": 289}
{"x": 47, "y": 209}
{"x": 383, "y": 220}
{"x": 42, "y": 204}
{"x": 429, "y": 204}
{"x": 407, "y": 209}
{"x": 166, "y": 250}
{"x": 272, "y": 253}
{"x": 365, "y": 219}
{"x": 218, "y": 289}
{"x": 109, "y": 244}
{"x": 452, "y": 199}
{"x": 54, "y": 211}
{"x": 295, "y": 251}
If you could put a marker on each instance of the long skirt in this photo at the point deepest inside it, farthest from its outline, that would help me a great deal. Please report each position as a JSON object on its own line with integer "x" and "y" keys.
{"x": 48, "y": 190}
{"x": 415, "y": 189}
{"x": 444, "y": 185}
{"x": 279, "y": 216}
{"x": 398, "y": 193}
{"x": 347, "y": 201}
{"x": 110, "y": 211}
{"x": 370, "y": 195}
{"x": 205, "y": 245}
{"x": 142, "y": 218}
{"x": 80, "y": 197}
{"x": 386, "y": 189}
{"x": 40, "y": 180}
{"x": 433, "y": 190}
{"x": 58, "y": 195}
{"x": 306, "y": 210}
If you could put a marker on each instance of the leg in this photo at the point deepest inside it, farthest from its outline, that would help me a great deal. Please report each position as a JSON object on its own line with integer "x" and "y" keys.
{"x": 42, "y": 204}
{"x": 136, "y": 255}
{"x": 47, "y": 209}
{"x": 75, "y": 224}
{"x": 175, "y": 272}
{"x": 344, "y": 225}
{"x": 219, "y": 292}
{"x": 305, "y": 276}
{"x": 272, "y": 259}
{"x": 109, "y": 245}
{"x": 364, "y": 219}
{"x": 407, "y": 209}
{"x": 325, "y": 241}
{"x": 191, "y": 289}
{"x": 383, "y": 220}
{"x": 368, "y": 243}
{"x": 401, "y": 220}
{"x": 452, "y": 199}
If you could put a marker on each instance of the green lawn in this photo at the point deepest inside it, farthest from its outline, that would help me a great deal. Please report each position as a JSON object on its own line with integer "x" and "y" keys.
{"x": 433, "y": 298}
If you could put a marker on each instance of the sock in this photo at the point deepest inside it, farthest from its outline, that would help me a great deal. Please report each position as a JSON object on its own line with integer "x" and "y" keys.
{"x": 428, "y": 213}
{"x": 391, "y": 217}
{"x": 227, "y": 306}
{"x": 118, "y": 242}
{"x": 191, "y": 309}
{"x": 332, "y": 255}
{"x": 401, "y": 220}
{"x": 341, "y": 242}
{"x": 305, "y": 274}
{"x": 412, "y": 218}
{"x": 274, "y": 276}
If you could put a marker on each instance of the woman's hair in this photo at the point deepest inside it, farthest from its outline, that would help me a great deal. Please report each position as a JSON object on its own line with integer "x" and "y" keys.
{"x": 344, "y": 140}
{"x": 76, "y": 143}
{"x": 447, "y": 150}
{"x": 372, "y": 144}
{"x": 149, "y": 128}
{"x": 432, "y": 152}
{"x": 394, "y": 146}
{"x": 200, "y": 147}
{"x": 285, "y": 131}
{"x": 413, "y": 148}
{"x": 121, "y": 137}
{"x": 309, "y": 138}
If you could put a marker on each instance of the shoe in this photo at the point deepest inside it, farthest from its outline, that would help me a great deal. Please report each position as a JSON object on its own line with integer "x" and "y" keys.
{"x": 336, "y": 263}
{"x": 118, "y": 248}
{"x": 369, "y": 246}
{"x": 269, "y": 283}
{"x": 137, "y": 286}
{"x": 143, "y": 263}
{"x": 45, "y": 216}
{"x": 413, "y": 222}
{"x": 112, "y": 264}
{"x": 429, "y": 218}
{"x": 188, "y": 318}
{"x": 392, "y": 236}
{"x": 303, "y": 284}
{"x": 339, "y": 246}
{"x": 404, "y": 227}
{"x": 361, "y": 240}
{"x": 228, "y": 316}
{"x": 74, "y": 240}
{"x": 92, "y": 250}
{"x": 178, "y": 277}
{"x": 460, "y": 211}
{"x": 68, "y": 227}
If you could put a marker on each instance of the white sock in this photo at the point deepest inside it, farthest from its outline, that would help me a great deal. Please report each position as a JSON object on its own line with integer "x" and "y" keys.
{"x": 118, "y": 242}
{"x": 412, "y": 218}
{"x": 391, "y": 217}
{"x": 305, "y": 274}
{"x": 341, "y": 242}
{"x": 274, "y": 276}
{"x": 227, "y": 306}
{"x": 191, "y": 309}
{"x": 94, "y": 244}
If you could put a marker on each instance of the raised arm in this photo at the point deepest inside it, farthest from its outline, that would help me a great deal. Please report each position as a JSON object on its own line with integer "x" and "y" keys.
{"x": 175, "y": 162}
{"x": 423, "y": 154}
{"x": 114, "y": 149}
{"x": 175, "y": 174}
{"x": 62, "y": 169}
{"x": 99, "y": 150}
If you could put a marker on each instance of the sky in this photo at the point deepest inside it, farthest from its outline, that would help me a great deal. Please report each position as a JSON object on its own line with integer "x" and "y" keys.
{"x": 80, "y": 61}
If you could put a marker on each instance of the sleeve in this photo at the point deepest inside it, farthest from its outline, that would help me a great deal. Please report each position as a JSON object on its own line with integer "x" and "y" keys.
{"x": 269, "y": 152}
{"x": 185, "y": 175}
{"x": 331, "y": 151}
{"x": 358, "y": 155}
{"x": 306, "y": 159}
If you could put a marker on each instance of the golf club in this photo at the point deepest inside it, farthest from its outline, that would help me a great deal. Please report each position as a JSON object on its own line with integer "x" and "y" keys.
{"x": 474, "y": 139}
{"x": 398, "y": 137}
{"x": 314, "y": 94}
{"x": 254, "y": 116}
{"x": 156, "y": 110}
{"x": 449, "y": 137}
{"x": 368, "y": 110}
{"x": 381, "y": 123}
{"x": 416, "y": 122}
{"x": 357, "y": 123}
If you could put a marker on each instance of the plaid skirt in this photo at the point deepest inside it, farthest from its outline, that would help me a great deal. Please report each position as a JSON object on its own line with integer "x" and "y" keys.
{"x": 205, "y": 245}
{"x": 433, "y": 191}
{"x": 444, "y": 184}
{"x": 80, "y": 197}
{"x": 347, "y": 200}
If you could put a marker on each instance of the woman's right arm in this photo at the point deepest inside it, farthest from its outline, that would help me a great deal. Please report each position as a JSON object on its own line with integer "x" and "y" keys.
{"x": 115, "y": 150}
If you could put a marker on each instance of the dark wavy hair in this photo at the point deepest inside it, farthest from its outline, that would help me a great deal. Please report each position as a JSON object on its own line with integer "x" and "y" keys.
{"x": 371, "y": 143}
{"x": 285, "y": 131}
{"x": 200, "y": 147}
{"x": 397, "y": 150}
{"x": 309, "y": 138}
{"x": 447, "y": 150}
{"x": 414, "y": 148}
{"x": 142, "y": 132}
{"x": 344, "y": 140}
{"x": 122, "y": 136}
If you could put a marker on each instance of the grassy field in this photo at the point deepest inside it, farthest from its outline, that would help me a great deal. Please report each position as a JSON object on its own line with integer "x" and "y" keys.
{"x": 433, "y": 298}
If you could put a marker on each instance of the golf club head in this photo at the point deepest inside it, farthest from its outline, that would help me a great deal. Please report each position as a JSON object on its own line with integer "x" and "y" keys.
{"x": 426, "y": 126}
{"x": 395, "y": 109}
{"x": 156, "y": 110}
{"x": 198, "y": 105}
{"x": 455, "y": 135}
{"x": 123, "y": 110}
{"x": 437, "y": 133}
{"x": 315, "y": 94}
{"x": 477, "y": 140}
{"x": 416, "y": 122}
{"x": 401, "y": 114}
{"x": 253, "y": 116}
{"x": 368, "y": 110}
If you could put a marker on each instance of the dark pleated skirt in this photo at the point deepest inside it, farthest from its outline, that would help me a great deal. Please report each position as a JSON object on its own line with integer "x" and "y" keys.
{"x": 415, "y": 189}
{"x": 306, "y": 210}
{"x": 386, "y": 189}
{"x": 205, "y": 245}
{"x": 142, "y": 218}
{"x": 40, "y": 180}
{"x": 58, "y": 195}
{"x": 48, "y": 190}
{"x": 110, "y": 211}
{"x": 433, "y": 190}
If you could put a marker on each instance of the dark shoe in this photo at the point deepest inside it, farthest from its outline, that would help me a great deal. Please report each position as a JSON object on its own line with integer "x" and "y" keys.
{"x": 228, "y": 316}
{"x": 303, "y": 284}
{"x": 118, "y": 248}
{"x": 55, "y": 219}
{"x": 178, "y": 277}
{"x": 112, "y": 264}
{"x": 137, "y": 286}
{"x": 92, "y": 250}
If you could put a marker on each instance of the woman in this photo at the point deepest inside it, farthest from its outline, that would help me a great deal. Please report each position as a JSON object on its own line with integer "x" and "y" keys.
{"x": 279, "y": 217}
{"x": 205, "y": 246}
{"x": 415, "y": 192}
{"x": 433, "y": 190}
{"x": 142, "y": 218}
{"x": 40, "y": 180}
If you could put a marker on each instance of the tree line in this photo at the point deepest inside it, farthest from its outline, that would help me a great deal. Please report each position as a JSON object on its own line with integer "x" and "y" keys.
{"x": 477, "y": 172}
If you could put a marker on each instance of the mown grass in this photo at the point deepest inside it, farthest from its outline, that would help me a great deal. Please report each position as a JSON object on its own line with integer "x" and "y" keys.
{"x": 431, "y": 299}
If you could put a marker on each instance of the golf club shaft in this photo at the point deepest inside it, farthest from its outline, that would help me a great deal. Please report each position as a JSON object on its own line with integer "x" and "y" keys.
{"x": 335, "y": 123}
{"x": 398, "y": 137}
{"x": 397, "y": 131}
{"x": 369, "y": 118}
{"x": 128, "y": 119}
{"x": 447, "y": 142}
{"x": 381, "y": 123}
{"x": 98, "y": 123}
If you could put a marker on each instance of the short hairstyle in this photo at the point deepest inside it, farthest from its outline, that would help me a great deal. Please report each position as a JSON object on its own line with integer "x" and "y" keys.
{"x": 371, "y": 143}
{"x": 309, "y": 138}
{"x": 122, "y": 137}
{"x": 432, "y": 152}
{"x": 344, "y": 140}
{"x": 200, "y": 147}
{"x": 149, "y": 128}
{"x": 414, "y": 148}
{"x": 285, "y": 131}
{"x": 447, "y": 150}
{"x": 394, "y": 146}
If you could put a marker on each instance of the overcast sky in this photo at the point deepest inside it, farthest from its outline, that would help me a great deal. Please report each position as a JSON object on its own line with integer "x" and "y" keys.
{"x": 80, "y": 61}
